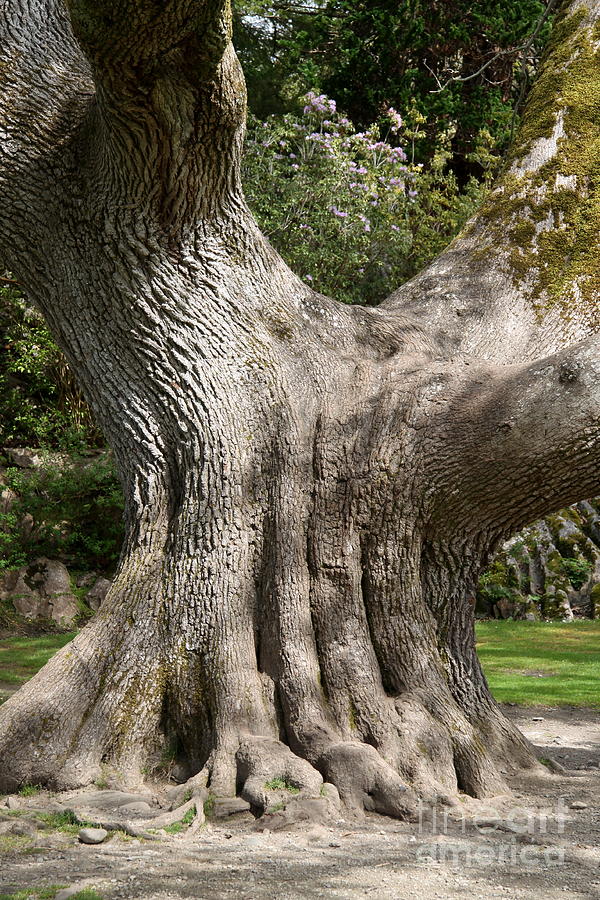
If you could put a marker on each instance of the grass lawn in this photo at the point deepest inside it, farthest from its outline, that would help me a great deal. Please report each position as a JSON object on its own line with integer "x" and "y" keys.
{"x": 542, "y": 663}
{"x": 21, "y": 657}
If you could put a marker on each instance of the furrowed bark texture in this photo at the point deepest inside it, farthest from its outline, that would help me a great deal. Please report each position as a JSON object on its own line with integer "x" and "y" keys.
{"x": 312, "y": 489}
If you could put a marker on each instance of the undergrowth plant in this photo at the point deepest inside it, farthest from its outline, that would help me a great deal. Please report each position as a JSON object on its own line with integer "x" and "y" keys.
{"x": 336, "y": 201}
{"x": 76, "y": 509}
{"x": 40, "y": 402}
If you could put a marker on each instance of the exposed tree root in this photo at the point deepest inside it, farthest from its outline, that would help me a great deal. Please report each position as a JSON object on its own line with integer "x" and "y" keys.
{"x": 261, "y": 761}
{"x": 366, "y": 781}
{"x": 421, "y": 755}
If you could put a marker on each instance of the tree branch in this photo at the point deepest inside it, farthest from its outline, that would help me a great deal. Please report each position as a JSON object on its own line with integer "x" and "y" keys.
{"x": 171, "y": 103}
{"x": 519, "y": 442}
{"x": 521, "y": 279}
{"x": 131, "y": 35}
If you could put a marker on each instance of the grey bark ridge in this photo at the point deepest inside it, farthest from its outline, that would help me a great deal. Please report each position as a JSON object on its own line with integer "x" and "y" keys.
{"x": 312, "y": 489}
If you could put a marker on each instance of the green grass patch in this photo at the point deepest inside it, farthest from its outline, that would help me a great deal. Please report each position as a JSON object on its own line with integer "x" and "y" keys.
{"x": 13, "y": 843}
{"x": 541, "y": 663}
{"x": 29, "y": 790}
{"x": 279, "y": 784}
{"x": 183, "y": 824}
{"x": 86, "y": 894}
{"x": 209, "y": 806}
{"x": 37, "y": 893}
{"x": 64, "y": 821}
{"x": 21, "y": 657}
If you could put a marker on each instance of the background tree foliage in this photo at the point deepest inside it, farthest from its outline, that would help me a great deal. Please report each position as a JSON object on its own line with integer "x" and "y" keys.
{"x": 370, "y": 56}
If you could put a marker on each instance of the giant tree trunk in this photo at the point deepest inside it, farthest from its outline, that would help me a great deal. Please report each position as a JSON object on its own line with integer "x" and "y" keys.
{"x": 312, "y": 489}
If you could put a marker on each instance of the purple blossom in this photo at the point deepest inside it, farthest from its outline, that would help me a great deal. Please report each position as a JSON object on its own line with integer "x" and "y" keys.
{"x": 338, "y": 212}
{"x": 398, "y": 154}
{"x": 318, "y": 104}
{"x": 309, "y": 277}
{"x": 395, "y": 119}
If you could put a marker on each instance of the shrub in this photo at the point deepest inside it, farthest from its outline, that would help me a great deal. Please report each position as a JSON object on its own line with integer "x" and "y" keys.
{"x": 351, "y": 212}
{"x": 77, "y": 509}
{"x": 40, "y": 402}
{"x": 577, "y": 571}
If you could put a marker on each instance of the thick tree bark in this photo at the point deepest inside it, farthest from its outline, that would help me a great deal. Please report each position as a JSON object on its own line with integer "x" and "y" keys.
{"x": 312, "y": 489}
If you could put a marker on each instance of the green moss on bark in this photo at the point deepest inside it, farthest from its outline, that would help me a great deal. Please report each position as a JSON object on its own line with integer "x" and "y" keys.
{"x": 548, "y": 216}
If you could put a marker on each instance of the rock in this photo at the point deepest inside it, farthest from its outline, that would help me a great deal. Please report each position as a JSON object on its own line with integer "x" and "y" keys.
{"x": 8, "y": 582}
{"x": 180, "y": 772}
{"x": 95, "y": 596}
{"x": 54, "y": 806}
{"x": 13, "y": 803}
{"x": 64, "y": 610}
{"x": 92, "y": 835}
{"x": 7, "y": 499}
{"x": 86, "y": 580}
{"x": 42, "y": 590}
{"x": 229, "y": 806}
{"x": 505, "y": 608}
{"x": 537, "y": 719}
{"x": 26, "y": 525}
{"x": 23, "y": 457}
{"x": 140, "y": 809}
{"x": 578, "y": 804}
{"x": 111, "y": 799}
{"x": 24, "y": 828}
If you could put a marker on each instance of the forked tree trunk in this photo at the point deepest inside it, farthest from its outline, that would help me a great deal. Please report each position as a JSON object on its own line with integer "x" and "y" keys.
{"x": 312, "y": 489}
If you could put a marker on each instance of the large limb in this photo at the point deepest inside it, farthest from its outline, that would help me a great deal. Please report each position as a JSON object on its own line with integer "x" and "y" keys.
{"x": 513, "y": 443}
{"x": 522, "y": 280}
{"x": 171, "y": 104}
{"x": 508, "y": 446}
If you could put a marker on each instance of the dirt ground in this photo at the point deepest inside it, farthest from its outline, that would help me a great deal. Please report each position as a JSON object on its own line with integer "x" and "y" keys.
{"x": 531, "y": 845}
